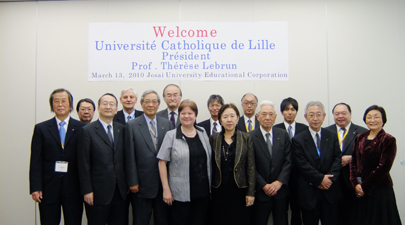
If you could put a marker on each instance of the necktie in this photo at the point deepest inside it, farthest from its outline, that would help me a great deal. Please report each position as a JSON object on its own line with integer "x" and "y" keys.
{"x": 62, "y": 133}
{"x": 269, "y": 146}
{"x": 343, "y": 137}
{"x": 290, "y": 132}
{"x": 110, "y": 134}
{"x": 172, "y": 119}
{"x": 153, "y": 133}
{"x": 318, "y": 144}
{"x": 214, "y": 129}
{"x": 249, "y": 125}
{"x": 128, "y": 118}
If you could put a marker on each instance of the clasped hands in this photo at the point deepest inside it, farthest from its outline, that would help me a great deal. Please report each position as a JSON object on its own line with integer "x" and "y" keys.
{"x": 326, "y": 182}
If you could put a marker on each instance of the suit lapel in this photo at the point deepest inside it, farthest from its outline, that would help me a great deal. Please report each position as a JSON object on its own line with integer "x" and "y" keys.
{"x": 276, "y": 144}
{"x": 262, "y": 143}
{"x": 70, "y": 130}
{"x": 117, "y": 132}
{"x": 99, "y": 129}
{"x": 144, "y": 130}
{"x": 349, "y": 137}
{"x": 53, "y": 129}
{"x": 160, "y": 131}
{"x": 310, "y": 145}
{"x": 324, "y": 144}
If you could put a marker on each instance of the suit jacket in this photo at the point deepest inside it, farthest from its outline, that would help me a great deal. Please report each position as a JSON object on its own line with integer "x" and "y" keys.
{"x": 120, "y": 117}
{"x": 299, "y": 127}
{"x": 101, "y": 165}
{"x": 312, "y": 168}
{"x": 165, "y": 114}
{"x": 46, "y": 149}
{"x": 244, "y": 170}
{"x": 242, "y": 126}
{"x": 372, "y": 162}
{"x": 140, "y": 155}
{"x": 348, "y": 144}
{"x": 206, "y": 124}
{"x": 272, "y": 168}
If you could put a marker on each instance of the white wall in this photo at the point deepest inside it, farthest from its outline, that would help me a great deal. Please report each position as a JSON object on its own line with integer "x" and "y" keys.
{"x": 339, "y": 50}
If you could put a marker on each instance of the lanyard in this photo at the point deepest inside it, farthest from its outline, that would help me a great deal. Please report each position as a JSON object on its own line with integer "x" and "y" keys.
{"x": 341, "y": 141}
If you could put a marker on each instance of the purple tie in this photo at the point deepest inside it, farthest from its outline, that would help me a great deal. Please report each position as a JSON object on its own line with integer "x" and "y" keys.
{"x": 172, "y": 119}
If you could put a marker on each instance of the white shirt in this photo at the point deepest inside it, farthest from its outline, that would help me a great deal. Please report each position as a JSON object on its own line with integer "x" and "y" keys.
{"x": 340, "y": 133}
{"x": 150, "y": 126}
{"x": 66, "y": 122}
{"x": 265, "y": 132}
{"x": 105, "y": 127}
{"x": 219, "y": 127}
{"x": 292, "y": 127}
{"x": 313, "y": 133}
{"x": 176, "y": 114}
{"x": 132, "y": 115}
{"x": 252, "y": 119}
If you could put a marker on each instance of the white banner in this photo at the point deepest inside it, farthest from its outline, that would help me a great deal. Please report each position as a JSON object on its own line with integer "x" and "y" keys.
{"x": 188, "y": 51}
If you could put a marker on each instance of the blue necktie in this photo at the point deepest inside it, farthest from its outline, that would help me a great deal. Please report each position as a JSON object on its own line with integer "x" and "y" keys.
{"x": 249, "y": 125}
{"x": 62, "y": 133}
{"x": 318, "y": 144}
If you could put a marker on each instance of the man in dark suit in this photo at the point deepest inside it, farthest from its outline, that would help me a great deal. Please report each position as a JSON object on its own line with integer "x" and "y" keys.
{"x": 289, "y": 109}
{"x": 54, "y": 181}
{"x": 101, "y": 165}
{"x": 248, "y": 121}
{"x": 128, "y": 100}
{"x": 345, "y": 132}
{"x": 85, "y": 110}
{"x": 172, "y": 95}
{"x": 214, "y": 103}
{"x": 317, "y": 156}
{"x": 273, "y": 164}
{"x": 144, "y": 135}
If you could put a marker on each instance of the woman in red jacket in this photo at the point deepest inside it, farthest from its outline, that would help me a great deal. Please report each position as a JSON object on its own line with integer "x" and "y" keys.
{"x": 372, "y": 158}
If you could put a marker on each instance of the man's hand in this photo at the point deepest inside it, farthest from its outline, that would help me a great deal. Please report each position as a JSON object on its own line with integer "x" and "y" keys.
{"x": 88, "y": 198}
{"x": 37, "y": 196}
{"x": 346, "y": 159}
{"x": 326, "y": 182}
{"x": 271, "y": 189}
{"x": 134, "y": 189}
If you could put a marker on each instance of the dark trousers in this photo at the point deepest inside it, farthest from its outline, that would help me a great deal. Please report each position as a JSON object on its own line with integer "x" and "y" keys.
{"x": 293, "y": 198}
{"x": 262, "y": 210}
{"x": 194, "y": 212}
{"x": 345, "y": 205}
{"x": 324, "y": 211}
{"x": 111, "y": 214}
{"x": 50, "y": 214}
{"x": 144, "y": 208}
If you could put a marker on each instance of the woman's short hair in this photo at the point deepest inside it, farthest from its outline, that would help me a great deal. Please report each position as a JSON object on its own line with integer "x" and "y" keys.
{"x": 378, "y": 108}
{"x": 230, "y": 105}
{"x": 188, "y": 103}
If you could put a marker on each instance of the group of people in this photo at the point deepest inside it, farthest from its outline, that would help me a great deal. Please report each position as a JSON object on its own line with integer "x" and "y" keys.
{"x": 229, "y": 169}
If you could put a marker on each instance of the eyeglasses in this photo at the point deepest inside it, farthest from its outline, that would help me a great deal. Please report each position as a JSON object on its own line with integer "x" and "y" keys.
{"x": 313, "y": 115}
{"x": 249, "y": 103}
{"x": 105, "y": 104}
{"x": 172, "y": 95}
{"x": 147, "y": 102}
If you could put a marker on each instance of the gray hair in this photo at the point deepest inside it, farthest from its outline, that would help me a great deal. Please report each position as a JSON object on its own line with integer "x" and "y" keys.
{"x": 241, "y": 100}
{"x": 148, "y": 92}
{"x": 217, "y": 98}
{"x": 314, "y": 103}
{"x": 263, "y": 103}
{"x": 129, "y": 89}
